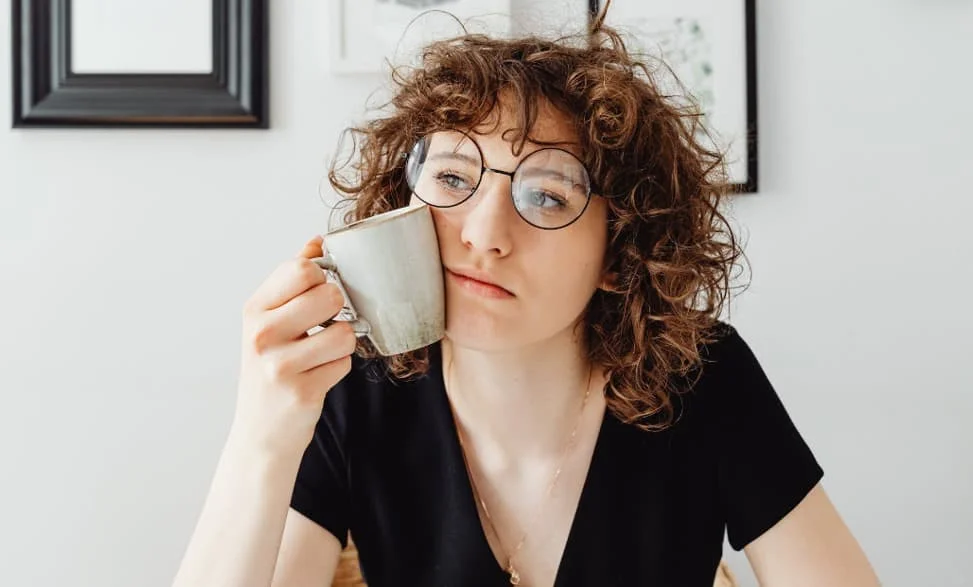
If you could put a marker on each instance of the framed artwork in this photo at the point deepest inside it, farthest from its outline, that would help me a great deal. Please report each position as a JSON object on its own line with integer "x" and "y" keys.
{"x": 710, "y": 45}
{"x": 368, "y": 34}
{"x": 117, "y": 63}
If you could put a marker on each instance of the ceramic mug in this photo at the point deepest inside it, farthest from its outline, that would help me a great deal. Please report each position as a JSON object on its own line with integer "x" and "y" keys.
{"x": 389, "y": 270}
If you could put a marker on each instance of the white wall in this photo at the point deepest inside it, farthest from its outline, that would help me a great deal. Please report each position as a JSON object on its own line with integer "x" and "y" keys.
{"x": 126, "y": 255}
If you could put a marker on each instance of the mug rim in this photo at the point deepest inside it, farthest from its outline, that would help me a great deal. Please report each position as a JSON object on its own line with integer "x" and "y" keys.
{"x": 378, "y": 219}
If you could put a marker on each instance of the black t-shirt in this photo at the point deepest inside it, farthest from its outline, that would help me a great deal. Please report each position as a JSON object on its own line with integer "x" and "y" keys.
{"x": 385, "y": 464}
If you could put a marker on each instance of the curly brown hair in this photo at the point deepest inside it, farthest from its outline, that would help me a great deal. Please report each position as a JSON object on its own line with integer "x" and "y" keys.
{"x": 670, "y": 249}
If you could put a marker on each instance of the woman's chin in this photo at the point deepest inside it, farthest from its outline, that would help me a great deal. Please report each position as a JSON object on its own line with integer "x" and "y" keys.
{"x": 479, "y": 333}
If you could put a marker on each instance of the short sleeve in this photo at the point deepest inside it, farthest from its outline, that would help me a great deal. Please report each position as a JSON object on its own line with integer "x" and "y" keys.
{"x": 321, "y": 490}
{"x": 765, "y": 466}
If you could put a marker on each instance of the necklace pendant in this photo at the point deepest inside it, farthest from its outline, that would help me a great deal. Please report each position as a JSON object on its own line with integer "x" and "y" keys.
{"x": 514, "y": 575}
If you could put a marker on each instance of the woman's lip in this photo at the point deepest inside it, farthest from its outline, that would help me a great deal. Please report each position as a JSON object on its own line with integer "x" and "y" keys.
{"x": 479, "y": 287}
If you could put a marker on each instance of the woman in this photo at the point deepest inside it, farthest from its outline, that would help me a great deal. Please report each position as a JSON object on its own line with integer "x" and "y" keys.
{"x": 586, "y": 421}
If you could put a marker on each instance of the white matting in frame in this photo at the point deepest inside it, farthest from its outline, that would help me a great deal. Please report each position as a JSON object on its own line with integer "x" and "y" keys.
{"x": 710, "y": 46}
{"x": 367, "y": 33}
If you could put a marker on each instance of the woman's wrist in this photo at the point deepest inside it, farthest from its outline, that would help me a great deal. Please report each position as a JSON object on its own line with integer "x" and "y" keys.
{"x": 262, "y": 459}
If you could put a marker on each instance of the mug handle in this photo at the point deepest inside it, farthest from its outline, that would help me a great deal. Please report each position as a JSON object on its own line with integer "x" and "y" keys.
{"x": 348, "y": 312}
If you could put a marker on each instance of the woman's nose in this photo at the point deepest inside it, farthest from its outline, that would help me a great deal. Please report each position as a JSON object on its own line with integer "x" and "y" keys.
{"x": 490, "y": 218}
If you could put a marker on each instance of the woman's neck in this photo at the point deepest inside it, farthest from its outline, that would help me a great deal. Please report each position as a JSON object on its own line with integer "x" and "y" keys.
{"x": 522, "y": 403}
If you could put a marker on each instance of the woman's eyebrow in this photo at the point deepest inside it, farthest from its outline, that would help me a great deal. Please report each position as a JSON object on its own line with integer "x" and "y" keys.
{"x": 576, "y": 183}
{"x": 532, "y": 171}
{"x": 452, "y": 155}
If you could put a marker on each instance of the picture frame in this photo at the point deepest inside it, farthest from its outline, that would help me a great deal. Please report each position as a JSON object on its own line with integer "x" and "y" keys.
{"x": 48, "y": 93}
{"x": 711, "y": 47}
{"x": 367, "y": 35}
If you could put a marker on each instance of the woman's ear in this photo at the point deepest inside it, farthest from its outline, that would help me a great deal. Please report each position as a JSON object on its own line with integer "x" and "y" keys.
{"x": 609, "y": 282}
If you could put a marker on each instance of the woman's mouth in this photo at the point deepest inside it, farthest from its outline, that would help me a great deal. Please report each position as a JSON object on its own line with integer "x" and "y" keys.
{"x": 477, "y": 284}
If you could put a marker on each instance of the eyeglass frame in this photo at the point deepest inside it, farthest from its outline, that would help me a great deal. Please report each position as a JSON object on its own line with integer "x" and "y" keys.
{"x": 483, "y": 169}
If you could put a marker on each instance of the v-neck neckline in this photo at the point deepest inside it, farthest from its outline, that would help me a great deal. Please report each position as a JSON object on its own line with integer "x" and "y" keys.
{"x": 470, "y": 515}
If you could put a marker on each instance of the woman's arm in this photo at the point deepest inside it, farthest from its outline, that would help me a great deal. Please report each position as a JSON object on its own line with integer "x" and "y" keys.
{"x": 285, "y": 374}
{"x": 811, "y": 546}
{"x": 308, "y": 556}
{"x": 245, "y": 536}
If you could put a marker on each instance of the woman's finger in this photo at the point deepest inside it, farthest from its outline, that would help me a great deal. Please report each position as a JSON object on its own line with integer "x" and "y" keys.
{"x": 313, "y": 248}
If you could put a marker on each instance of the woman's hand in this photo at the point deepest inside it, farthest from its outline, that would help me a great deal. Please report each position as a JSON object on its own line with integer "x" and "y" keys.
{"x": 285, "y": 373}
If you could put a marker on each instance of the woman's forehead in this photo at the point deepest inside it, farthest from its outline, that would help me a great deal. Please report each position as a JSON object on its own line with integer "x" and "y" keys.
{"x": 551, "y": 128}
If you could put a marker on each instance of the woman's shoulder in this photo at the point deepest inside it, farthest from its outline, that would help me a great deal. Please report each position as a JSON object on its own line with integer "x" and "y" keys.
{"x": 728, "y": 364}
{"x": 729, "y": 390}
{"x": 722, "y": 343}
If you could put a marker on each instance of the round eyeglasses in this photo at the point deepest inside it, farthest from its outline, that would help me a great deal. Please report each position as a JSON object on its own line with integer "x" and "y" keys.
{"x": 550, "y": 187}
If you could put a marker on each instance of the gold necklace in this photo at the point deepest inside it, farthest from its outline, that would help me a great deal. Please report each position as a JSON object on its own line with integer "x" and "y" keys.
{"x": 510, "y": 568}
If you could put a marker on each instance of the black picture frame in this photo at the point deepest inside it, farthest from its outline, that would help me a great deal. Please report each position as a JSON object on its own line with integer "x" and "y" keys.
{"x": 749, "y": 184}
{"x": 46, "y": 92}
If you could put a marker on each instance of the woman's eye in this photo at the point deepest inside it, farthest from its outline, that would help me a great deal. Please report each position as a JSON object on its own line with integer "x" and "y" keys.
{"x": 545, "y": 199}
{"x": 452, "y": 181}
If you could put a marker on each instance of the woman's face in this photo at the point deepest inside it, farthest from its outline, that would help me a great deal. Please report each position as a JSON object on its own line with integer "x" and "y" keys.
{"x": 542, "y": 279}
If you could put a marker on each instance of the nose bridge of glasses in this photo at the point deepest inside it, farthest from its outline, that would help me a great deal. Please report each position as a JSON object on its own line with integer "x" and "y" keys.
{"x": 509, "y": 174}
{"x": 484, "y": 187}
